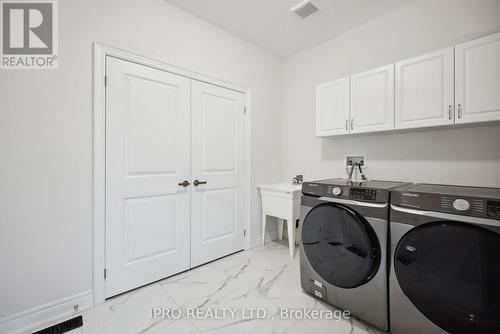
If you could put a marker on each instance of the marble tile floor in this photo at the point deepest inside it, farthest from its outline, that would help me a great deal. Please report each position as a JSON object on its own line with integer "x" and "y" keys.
{"x": 264, "y": 277}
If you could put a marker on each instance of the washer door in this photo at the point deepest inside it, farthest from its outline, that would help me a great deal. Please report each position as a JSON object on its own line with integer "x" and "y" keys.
{"x": 451, "y": 273}
{"x": 340, "y": 245}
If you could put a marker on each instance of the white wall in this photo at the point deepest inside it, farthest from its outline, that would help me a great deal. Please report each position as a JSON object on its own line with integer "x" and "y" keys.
{"x": 469, "y": 156}
{"x": 46, "y": 136}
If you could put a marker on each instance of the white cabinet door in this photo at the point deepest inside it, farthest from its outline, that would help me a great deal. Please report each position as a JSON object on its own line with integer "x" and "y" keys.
{"x": 217, "y": 118}
{"x": 147, "y": 155}
{"x": 372, "y": 100}
{"x": 477, "y": 85}
{"x": 424, "y": 90}
{"x": 332, "y": 108}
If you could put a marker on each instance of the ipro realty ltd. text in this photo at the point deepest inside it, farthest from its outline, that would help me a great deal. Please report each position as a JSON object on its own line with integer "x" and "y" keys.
{"x": 248, "y": 313}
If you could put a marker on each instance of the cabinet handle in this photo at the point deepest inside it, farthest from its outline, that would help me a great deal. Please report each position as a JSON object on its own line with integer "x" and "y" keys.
{"x": 347, "y": 125}
{"x": 352, "y": 124}
{"x": 459, "y": 109}
{"x": 450, "y": 112}
{"x": 197, "y": 183}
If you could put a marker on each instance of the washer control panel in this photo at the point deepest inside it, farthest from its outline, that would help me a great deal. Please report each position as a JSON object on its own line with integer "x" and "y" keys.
{"x": 337, "y": 191}
{"x": 342, "y": 189}
{"x": 461, "y": 204}
{"x": 363, "y": 194}
{"x": 354, "y": 193}
{"x": 493, "y": 209}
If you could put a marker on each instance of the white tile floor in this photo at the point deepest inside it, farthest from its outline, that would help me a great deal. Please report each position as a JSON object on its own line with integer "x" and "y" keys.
{"x": 264, "y": 277}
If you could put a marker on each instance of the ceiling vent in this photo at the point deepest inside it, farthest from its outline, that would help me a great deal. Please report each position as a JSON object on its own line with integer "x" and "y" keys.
{"x": 304, "y": 9}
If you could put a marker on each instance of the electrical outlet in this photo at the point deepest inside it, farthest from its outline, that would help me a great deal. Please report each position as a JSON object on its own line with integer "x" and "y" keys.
{"x": 352, "y": 159}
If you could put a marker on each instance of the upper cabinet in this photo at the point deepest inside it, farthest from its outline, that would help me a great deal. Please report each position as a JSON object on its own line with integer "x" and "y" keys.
{"x": 372, "y": 100}
{"x": 424, "y": 90}
{"x": 332, "y": 108}
{"x": 477, "y": 85}
{"x": 456, "y": 85}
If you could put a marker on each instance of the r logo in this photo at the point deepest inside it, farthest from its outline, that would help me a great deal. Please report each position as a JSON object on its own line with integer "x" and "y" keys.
{"x": 28, "y": 36}
{"x": 27, "y": 28}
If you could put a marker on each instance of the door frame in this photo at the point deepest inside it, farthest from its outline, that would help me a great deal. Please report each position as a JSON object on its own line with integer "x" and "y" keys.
{"x": 100, "y": 52}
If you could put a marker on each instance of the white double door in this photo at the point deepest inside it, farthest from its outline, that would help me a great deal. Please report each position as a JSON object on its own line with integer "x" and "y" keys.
{"x": 163, "y": 129}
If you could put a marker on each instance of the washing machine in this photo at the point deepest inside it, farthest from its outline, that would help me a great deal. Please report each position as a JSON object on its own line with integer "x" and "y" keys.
{"x": 343, "y": 248}
{"x": 445, "y": 254}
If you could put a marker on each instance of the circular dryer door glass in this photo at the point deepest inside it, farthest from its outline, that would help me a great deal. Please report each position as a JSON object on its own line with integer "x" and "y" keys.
{"x": 451, "y": 273}
{"x": 340, "y": 245}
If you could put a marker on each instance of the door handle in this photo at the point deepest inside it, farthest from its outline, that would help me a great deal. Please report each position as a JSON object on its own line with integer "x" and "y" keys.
{"x": 347, "y": 125}
{"x": 197, "y": 183}
{"x": 184, "y": 183}
{"x": 352, "y": 124}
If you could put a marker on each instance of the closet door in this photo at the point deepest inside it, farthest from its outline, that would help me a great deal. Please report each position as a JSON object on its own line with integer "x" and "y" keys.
{"x": 424, "y": 90}
{"x": 477, "y": 70}
{"x": 217, "y": 136}
{"x": 147, "y": 156}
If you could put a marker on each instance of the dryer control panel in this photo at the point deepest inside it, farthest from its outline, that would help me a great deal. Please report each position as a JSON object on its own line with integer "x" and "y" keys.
{"x": 466, "y": 206}
{"x": 458, "y": 200}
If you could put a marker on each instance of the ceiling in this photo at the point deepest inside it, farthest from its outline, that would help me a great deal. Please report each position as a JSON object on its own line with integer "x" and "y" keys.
{"x": 271, "y": 25}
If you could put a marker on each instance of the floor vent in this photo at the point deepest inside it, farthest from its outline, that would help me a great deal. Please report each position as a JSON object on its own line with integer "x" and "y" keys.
{"x": 63, "y": 327}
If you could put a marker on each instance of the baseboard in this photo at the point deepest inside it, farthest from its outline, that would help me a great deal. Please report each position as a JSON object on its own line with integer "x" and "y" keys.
{"x": 256, "y": 240}
{"x": 46, "y": 315}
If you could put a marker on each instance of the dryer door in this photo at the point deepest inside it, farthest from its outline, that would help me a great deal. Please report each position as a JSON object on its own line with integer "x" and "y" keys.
{"x": 451, "y": 272}
{"x": 340, "y": 245}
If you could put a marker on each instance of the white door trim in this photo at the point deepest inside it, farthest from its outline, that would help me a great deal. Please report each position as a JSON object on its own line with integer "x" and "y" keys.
{"x": 101, "y": 51}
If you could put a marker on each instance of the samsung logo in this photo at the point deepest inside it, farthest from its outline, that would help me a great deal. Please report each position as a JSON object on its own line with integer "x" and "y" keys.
{"x": 410, "y": 194}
